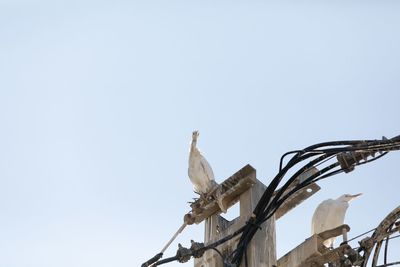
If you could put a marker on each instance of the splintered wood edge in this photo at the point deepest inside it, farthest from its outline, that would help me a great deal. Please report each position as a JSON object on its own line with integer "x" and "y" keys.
{"x": 231, "y": 190}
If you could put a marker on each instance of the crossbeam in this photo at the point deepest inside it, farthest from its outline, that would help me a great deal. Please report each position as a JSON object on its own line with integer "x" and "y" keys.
{"x": 230, "y": 190}
{"x": 312, "y": 252}
{"x": 241, "y": 181}
{"x": 300, "y": 196}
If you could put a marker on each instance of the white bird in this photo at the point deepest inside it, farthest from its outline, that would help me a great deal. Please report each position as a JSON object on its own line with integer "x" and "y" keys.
{"x": 201, "y": 174}
{"x": 330, "y": 214}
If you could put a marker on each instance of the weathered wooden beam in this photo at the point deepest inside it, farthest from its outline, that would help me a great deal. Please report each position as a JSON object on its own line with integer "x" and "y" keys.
{"x": 296, "y": 199}
{"x": 310, "y": 248}
{"x": 238, "y": 183}
{"x": 333, "y": 255}
{"x": 312, "y": 252}
{"x": 230, "y": 191}
{"x": 300, "y": 196}
{"x": 334, "y": 232}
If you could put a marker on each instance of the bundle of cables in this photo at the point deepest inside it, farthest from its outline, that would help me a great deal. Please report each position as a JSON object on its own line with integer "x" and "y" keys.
{"x": 348, "y": 154}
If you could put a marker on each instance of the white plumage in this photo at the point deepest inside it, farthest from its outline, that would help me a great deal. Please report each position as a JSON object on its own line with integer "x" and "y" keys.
{"x": 330, "y": 214}
{"x": 200, "y": 173}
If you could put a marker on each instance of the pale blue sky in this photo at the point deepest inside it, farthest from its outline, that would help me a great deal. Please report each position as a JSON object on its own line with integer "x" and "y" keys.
{"x": 98, "y": 100}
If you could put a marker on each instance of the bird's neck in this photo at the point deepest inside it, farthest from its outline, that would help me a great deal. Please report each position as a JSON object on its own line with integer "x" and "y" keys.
{"x": 193, "y": 145}
{"x": 194, "y": 152}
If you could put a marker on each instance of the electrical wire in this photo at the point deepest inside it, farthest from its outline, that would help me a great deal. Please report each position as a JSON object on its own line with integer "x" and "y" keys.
{"x": 252, "y": 228}
{"x": 248, "y": 234}
{"x": 164, "y": 261}
{"x": 385, "y": 254}
{"x": 394, "y": 237}
{"x": 271, "y": 201}
{"x": 360, "y": 235}
{"x": 373, "y": 159}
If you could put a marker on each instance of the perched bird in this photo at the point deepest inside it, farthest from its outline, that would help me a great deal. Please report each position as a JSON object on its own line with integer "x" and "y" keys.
{"x": 330, "y": 214}
{"x": 201, "y": 174}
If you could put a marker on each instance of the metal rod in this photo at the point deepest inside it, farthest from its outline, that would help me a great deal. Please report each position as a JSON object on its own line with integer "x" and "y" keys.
{"x": 173, "y": 238}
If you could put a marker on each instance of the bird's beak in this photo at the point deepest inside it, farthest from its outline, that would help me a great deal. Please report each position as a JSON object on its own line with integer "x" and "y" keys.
{"x": 355, "y": 196}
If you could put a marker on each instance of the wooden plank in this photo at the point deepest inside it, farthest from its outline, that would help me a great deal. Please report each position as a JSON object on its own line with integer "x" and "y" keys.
{"x": 300, "y": 196}
{"x": 310, "y": 248}
{"x": 334, "y": 232}
{"x": 296, "y": 199}
{"x": 333, "y": 255}
{"x": 240, "y": 182}
{"x": 230, "y": 190}
{"x": 312, "y": 252}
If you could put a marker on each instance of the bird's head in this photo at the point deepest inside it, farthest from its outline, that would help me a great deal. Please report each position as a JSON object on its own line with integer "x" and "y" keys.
{"x": 195, "y": 135}
{"x": 348, "y": 197}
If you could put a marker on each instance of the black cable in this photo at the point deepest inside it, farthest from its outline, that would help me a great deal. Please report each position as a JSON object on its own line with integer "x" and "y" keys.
{"x": 265, "y": 198}
{"x": 284, "y": 155}
{"x": 360, "y": 235}
{"x": 282, "y": 190}
{"x": 327, "y": 159}
{"x": 249, "y": 235}
{"x": 299, "y": 187}
{"x": 386, "y": 251}
{"x": 152, "y": 260}
{"x": 167, "y": 260}
{"x": 393, "y": 237}
{"x": 328, "y": 175}
{"x": 251, "y": 230}
{"x": 223, "y": 240}
{"x": 269, "y": 202}
{"x": 373, "y": 159}
{"x": 369, "y": 148}
{"x": 296, "y": 175}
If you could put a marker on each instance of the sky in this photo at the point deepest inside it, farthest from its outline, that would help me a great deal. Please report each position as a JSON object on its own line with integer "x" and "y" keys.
{"x": 98, "y": 100}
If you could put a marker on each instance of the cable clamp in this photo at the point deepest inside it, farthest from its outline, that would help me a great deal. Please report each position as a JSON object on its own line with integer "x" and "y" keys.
{"x": 253, "y": 223}
{"x": 183, "y": 254}
{"x": 197, "y": 249}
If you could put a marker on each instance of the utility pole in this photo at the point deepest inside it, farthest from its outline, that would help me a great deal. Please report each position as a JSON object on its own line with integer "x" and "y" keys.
{"x": 261, "y": 250}
{"x": 222, "y": 237}
{"x": 245, "y": 188}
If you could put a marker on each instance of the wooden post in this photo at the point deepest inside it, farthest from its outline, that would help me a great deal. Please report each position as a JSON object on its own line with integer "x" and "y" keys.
{"x": 261, "y": 251}
{"x": 245, "y": 188}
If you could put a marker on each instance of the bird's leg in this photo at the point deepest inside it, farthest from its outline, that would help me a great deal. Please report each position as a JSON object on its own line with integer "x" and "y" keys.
{"x": 218, "y": 196}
